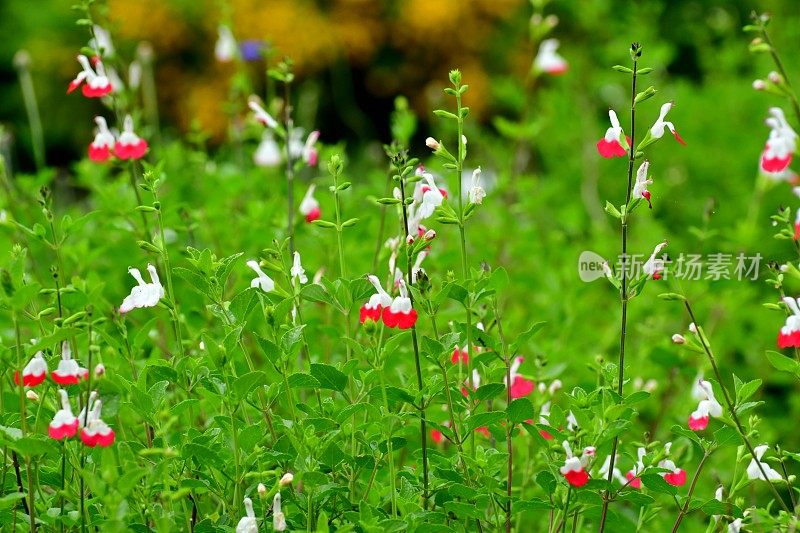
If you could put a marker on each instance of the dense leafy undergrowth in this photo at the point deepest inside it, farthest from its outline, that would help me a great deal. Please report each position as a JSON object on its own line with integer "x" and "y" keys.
{"x": 277, "y": 336}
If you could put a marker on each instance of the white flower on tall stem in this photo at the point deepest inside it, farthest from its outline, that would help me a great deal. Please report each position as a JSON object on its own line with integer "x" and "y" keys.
{"x": 654, "y": 266}
{"x": 268, "y": 153}
{"x": 781, "y": 144}
{"x": 298, "y": 272}
{"x": 430, "y": 196}
{"x": 617, "y": 473}
{"x": 143, "y": 294}
{"x": 248, "y": 523}
{"x": 709, "y": 406}
{"x": 754, "y": 472}
{"x": 548, "y": 60}
{"x": 226, "y": 47}
{"x": 476, "y": 192}
{"x": 310, "y": 153}
{"x": 260, "y": 114}
{"x": 309, "y": 206}
{"x": 262, "y": 281}
{"x": 642, "y": 181}
{"x": 657, "y": 130}
{"x": 278, "y": 518}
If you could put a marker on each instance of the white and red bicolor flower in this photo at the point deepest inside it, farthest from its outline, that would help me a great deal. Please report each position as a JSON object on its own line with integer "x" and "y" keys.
{"x": 642, "y": 181}
{"x": 654, "y": 266}
{"x": 633, "y": 475}
{"x": 708, "y": 407}
{"x": 268, "y": 153}
{"x": 260, "y": 114}
{"x": 97, "y": 83}
{"x": 129, "y": 145}
{"x": 248, "y": 523}
{"x": 373, "y": 309}
{"x": 460, "y": 354}
{"x": 797, "y": 225}
{"x": 789, "y": 335}
{"x": 100, "y": 148}
{"x": 34, "y": 372}
{"x": 310, "y": 153}
{"x": 754, "y": 472}
{"x": 261, "y": 281}
{"x": 519, "y": 385}
{"x": 429, "y": 196}
{"x": 676, "y": 476}
{"x": 400, "y": 313}
{"x": 436, "y": 435}
{"x": 143, "y": 294}
{"x": 611, "y": 143}
{"x": 574, "y": 469}
{"x": 548, "y": 60}
{"x": 96, "y": 432}
{"x": 417, "y": 269}
{"x": 83, "y": 419}
{"x": 544, "y": 419}
{"x": 309, "y": 206}
{"x": 657, "y": 129}
{"x": 476, "y": 382}
{"x": 64, "y": 423}
{"x": 298, "y": 272}
{"x": 69, "y": 372}
{"x": 617, "y": 473}
{"x": 781, "y": 144}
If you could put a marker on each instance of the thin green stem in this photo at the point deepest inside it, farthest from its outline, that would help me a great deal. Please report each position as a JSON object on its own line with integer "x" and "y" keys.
{"x": 685, "y": 507}
{"x": 509, "y": 447}
{"x": 24, "y": 425}
{"x": 289, "y": 124}
{"x": 174, "y": 313}
{"x": 779, "y": 64}
{"x": 22, "y": 62}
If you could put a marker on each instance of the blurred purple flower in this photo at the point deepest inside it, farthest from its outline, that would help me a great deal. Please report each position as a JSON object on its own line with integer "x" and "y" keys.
{"x": 252, "y": 50}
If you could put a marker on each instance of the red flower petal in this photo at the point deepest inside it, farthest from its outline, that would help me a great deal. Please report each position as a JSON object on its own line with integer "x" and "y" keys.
{"x": 636, "y": 483}
{"x": 99, "y": 154}
{"x": 610, "y": 148}
{"x": 698, "y": 424}
{"x": 676, "y": 479}
{"x": 577, "y": 479}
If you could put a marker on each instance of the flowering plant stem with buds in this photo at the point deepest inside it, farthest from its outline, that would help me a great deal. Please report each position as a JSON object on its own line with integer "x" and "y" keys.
{"x": 422, "y": 424}
{"x": 623, "y": 291}
{"x": 731, "y": 407}
{"x": 31, "y": 510}
{"x": 761, "y": 26}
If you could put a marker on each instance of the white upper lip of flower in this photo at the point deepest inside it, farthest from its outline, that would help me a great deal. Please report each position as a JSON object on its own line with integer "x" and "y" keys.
{"x": 657, "y": 130}
{"x": 298, "y": 271}
{"x": 615, "y": 131}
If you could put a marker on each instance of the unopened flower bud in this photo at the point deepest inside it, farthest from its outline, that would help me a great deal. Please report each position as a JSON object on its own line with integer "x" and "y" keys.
{"x": 678, "y": 339}
{"x": 202, "y": 346}
{"x": 99, "y": 370}
{"x": 262, "y": 491}
{"x": 32, "y": 396}
{"x": 287, "y": 479}
{"x": 551, "y": 21}
{"x": 432, "y": 143}
{"x": 410, "y": 239}
{"x": 774, "y": 77}
{"x": 693, "y": 328}
{"x": 759, "y": 85}
{"x": 784, "y": 267}
{"x": 429, "y": 235}
{"x": 464, "y": 139}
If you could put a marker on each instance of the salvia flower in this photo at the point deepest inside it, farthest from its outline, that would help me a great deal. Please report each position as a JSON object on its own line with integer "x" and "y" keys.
{"x": 278, "y": 518}
{"x": 610, "y": 145}
{"x": 547, "y": 59}
{"x": 97, "y": 83}
{"x": 309, "y": 206}
{"x": 248, "y": 523}
{"x": 617, "y": 473}
{"x": 400, "y": 313}
{"x": 298, "y": 272}
{"x": 544, "y": 419}
{"x": 476, "y": 192}
{"x": 676, "y": 476}
{"x": 69, "y": 372}
{"x": 781, "y": 144}
{"x": 64, "y": 423}
{"x": 431, "y": 196}
{"x": 34, "y": 372}
{"x": 754, "y": 472}
{"x": 657, "y": 130}
{"x": 519, "y": 385}
{"x": 797, "y": 225}
{"x": 143, "y": 294}
{"x": 633, "y": 475}
{"x": 709, "y": 406}
{"x": 31, "y": 395}
{"x": 416, "y": 269}
{"x": 103, "y": 143}
{"x": 225, "y": 47}
{"x": 129, "y": 145}
{"x": 642, "y": 181}
{"x": 261, "y": 115}
{"x": 373, "y": 309}
{"x": 310, "y": 153}
{"x": 83, "y": 418}
{"x": 789, "y": 335}
{"x": 96, "y": 432}
{"x": 574, "y": 469}
{"x": 268, "y": 153}
{"x": 654, "y": 266}
{"x": 261, "y": 281}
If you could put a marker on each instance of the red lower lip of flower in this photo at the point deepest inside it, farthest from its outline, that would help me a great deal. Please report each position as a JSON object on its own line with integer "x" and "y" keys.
{"x": 676, "y": 479}
{"x": 521, "y": 387}
{"x": 545, "y": 435}
{"x": 313, "y": 215}
{"x": 90, "y": 92}
{"x": 635, "y": 482}
{"x": 436, "y": 436}
{"x": 99, "y": 154}
{"x": 557, "y": 71}
{"x": 131, "y": 151}
{"x": 367, "y": 313}
{"x": 775, "y": 164}
{"x": 97, "y": 439}
{"x": 64, "y": 431}
{"x": 611, "y": 148}
{"x": 577, "y": 479}
{"x": 483, "y": 430}
{"x": 399, "y": 320}
{"x": 68, "y": 379}
{"x": 789, "y": 341}
{"x": 698, "y": 424}
{"x": 463, "y": 355}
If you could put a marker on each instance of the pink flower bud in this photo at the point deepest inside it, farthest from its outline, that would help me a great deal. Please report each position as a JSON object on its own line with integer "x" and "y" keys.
{"x": 287, "y": 479}
{"x": 32, "y": 396}
{"x": 432, "y": 143}
{"x": 429, "y": 235}
{"x": 693, "y": 328}
{"x": 262, "y": 490}
{"x": 774, "y": 77}
{"x": 99, "y": 370}
{"x": 678, "y": 339}
{"x": 759, "y": 85}
{"x": 410, "y": 239}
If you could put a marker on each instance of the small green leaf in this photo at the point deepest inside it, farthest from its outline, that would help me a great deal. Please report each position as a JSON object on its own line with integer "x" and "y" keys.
{"x": 329, "y": 377}
{"x": 520, "y": 410}
{"x": 303, "y": 381}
